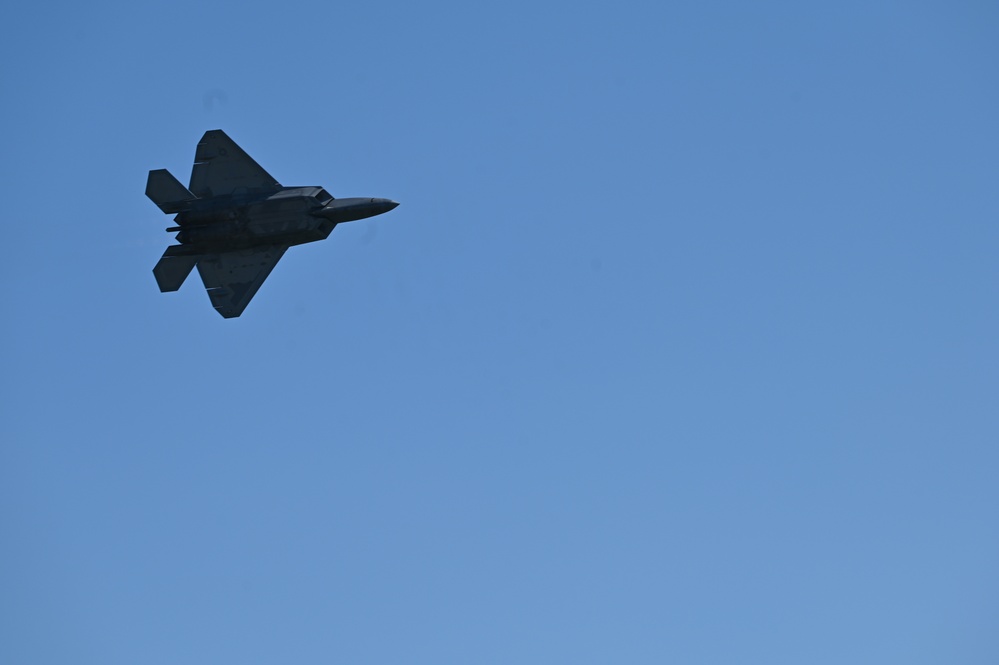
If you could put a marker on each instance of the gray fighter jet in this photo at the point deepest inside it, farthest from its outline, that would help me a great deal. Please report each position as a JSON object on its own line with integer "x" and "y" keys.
{"x": 236, "y": 221}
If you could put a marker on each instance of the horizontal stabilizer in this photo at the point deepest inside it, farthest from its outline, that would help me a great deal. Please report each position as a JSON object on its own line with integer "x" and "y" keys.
{"x": 166, "y": 191}
{"x": 173, "y": 268}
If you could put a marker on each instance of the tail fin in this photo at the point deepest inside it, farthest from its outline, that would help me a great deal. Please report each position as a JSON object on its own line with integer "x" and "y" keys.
{"x": 166, "y": 191}
{"x": 174, "y": 267}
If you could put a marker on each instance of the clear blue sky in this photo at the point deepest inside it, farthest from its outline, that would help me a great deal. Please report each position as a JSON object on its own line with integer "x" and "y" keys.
{"x": 681, "y": 348}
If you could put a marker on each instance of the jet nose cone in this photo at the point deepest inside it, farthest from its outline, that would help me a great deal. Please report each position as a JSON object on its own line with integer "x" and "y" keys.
{"x": 384, "y": 205}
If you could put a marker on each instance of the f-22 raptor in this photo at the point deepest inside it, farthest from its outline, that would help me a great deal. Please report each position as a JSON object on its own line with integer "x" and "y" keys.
{"x": 236, "y": 221}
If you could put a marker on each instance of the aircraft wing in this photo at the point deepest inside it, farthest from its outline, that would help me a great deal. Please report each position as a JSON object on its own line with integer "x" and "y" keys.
{"x": 221, "y": 167}
{"x": 232, "y": 278}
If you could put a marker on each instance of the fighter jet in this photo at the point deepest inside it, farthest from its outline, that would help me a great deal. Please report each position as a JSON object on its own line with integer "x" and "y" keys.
{"x": 236, "y": 221}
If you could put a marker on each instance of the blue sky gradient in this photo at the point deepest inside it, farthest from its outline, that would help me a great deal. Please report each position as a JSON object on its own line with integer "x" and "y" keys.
{"x": 682, "y": 346}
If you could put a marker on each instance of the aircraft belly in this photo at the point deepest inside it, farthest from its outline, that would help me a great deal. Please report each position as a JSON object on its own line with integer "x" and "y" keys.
{"x": 277, "y": 225}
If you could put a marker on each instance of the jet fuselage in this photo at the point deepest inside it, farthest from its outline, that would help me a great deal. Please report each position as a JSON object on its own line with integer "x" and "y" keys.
{"x": 292, "y": 216}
